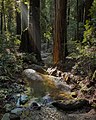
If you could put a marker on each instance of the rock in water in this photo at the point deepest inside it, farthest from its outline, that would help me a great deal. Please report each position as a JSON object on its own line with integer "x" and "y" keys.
{"x": 17, "y": 111}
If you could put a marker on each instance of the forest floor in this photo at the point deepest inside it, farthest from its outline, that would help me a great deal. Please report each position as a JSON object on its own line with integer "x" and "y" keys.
{"x": 80, "y": 85}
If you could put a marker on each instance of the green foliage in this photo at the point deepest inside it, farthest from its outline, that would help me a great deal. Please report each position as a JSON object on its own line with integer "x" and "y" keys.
{"x": 9, "y": 41}
{"x": 12, "y": 62}
{"x": 25, "y": 1}
{"x": 72, "y": 26}
{"x": 9, "y": 64}
{"x": 29, "y": 58}
{"x": 90, "y": 33}
{"x": 71, "y": 30}
{"x": 93, "y": 10}
{"x": 46, "y": 25}
{"x": 90, "y": 28}
{"x": 86, "y": 64}
{"x": 94, "y": 76}
{"x": 47, "y": 35}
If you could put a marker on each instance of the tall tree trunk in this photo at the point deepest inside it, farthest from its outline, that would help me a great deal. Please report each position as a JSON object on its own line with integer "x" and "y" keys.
{"x": 43, "y": 19}
{"x": 2, "y": 14}
{"x": 24, "y": 15}
{"x": 30, "y": 39}
{"x": 80, "y": 19}
{"x": 18, "y": 18}
{"x": 81, "y": 12}
{"x": 34, "y": 26}
{"x": 4, "y": 22}
{"x": 4, "y": 17}
{"x": 60, "y": 31}
{"x": 77, "y": 37}
{"x": 88, "y": 4}
{"x": 9, "y": 20}
{"x": 18, "y": 23}
{"x": 68, "y": 12}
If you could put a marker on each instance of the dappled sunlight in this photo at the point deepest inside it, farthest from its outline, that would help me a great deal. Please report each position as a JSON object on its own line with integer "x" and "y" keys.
{"x": 24, "y": 15}
{"x": 53, "y": 90}
{"x": 47, "y": 59}
{"x": 30, "y": 37}
{"x": 45, "y": 84}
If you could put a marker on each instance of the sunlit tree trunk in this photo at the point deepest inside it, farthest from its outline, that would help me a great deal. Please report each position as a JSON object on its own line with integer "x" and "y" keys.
{"x": 30, "y": 38}
{"x": 34, "y": 27}
{"x": 60, "y": 31}
{"x": 24, "y": 16}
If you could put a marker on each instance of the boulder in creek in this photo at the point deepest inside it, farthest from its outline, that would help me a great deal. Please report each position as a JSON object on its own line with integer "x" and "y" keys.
{"x": 17, "y": 111}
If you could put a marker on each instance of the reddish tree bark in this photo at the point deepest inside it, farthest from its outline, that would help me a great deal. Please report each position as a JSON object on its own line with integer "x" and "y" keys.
{"x": 60, "y": 31}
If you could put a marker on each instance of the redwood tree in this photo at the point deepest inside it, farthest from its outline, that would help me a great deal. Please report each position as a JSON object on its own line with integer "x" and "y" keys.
{"x": 34, "y": 27}
{"x": 30, "y": 39}
{"x": 60, "y": 31}
{"x": 34, "y": 20}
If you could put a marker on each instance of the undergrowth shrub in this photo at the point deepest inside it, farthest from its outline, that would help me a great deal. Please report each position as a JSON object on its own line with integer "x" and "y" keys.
{"x": 86, "y": 64}
{"x": 11, "y": 61}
